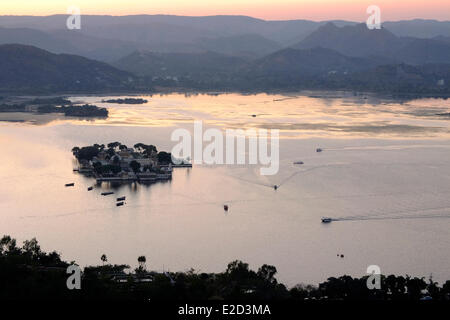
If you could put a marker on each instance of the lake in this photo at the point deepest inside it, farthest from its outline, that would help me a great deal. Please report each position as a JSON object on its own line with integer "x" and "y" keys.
{"x": 384, "y": 170}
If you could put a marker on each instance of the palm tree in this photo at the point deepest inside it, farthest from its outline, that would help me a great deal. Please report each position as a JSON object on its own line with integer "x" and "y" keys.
{"x": 141, "y": 261}
{"x": 104, "y": 258}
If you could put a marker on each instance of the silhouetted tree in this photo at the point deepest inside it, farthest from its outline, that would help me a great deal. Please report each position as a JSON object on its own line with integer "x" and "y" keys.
{"x": 142, "y": 260}
{"x": 135, "y": 166}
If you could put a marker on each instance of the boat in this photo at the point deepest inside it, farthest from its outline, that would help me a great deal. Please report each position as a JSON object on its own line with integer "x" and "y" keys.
{"x": 107, "y": 193}
{"x": 225, "y": 207}
{"x": 70, "y": 184}
{"x": 298, "y": 162}
{"x": 318, "y": 150}
{"x": 326, "y": 220}
{"x": 121, "y": 199}
{"x": 275, "y": 187}
{"x": 118, "y": 204}
{"x": 90, "y": 188}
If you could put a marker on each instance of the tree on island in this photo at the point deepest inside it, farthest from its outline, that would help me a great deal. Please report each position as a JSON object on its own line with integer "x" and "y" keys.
{"x": 75, "y": 150}
{"x": 145, "y": 149}
{"x": 87, "y": 153}
{"x": 113, "y": 145}
{"x": 164, "y": 157}
{"x": 135, "y": 166}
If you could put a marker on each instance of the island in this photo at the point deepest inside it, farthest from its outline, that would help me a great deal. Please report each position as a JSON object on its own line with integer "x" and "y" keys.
{"x": 117, "y": 162}
{"x": 55, "y": 105}
{"x": 85, "y": 111}
{"x": 127, "y": 101}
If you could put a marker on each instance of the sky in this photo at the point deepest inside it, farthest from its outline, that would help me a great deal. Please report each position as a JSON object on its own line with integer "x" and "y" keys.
{"x": 317, "y": 10}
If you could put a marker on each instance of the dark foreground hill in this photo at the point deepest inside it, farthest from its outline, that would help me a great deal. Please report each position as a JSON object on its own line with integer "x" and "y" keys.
{"x": 30, "y": 69}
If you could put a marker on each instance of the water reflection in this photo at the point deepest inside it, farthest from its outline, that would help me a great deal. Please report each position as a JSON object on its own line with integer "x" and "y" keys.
{"x": 393, "y": 159}
{"x": 324, "y": 115}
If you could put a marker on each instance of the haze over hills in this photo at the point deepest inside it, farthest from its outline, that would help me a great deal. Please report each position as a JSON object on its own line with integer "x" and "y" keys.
{"x": 355, "y": 40}
{"x": 359, "y": 41}
{"x": 70, "y": 42}
{"x": 419, "y": 28}
{"x": 314, "y": 61}
{"x": 221, "y": 53}
{"x": 151, "y": 27}
{"x": 283, "y": 31}
{"x": 109, "y": 38}
{"x": 189, "y": 65}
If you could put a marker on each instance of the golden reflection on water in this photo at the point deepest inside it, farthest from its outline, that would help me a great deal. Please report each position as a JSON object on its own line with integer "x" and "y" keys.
{"x": 295, "y": 116}
{"x": 181, "y": 223}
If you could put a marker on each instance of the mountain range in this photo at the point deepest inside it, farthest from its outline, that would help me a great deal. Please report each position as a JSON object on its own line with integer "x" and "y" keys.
{"x": 359, "y": 41}
{"x": 109, "y": 38}
{"x": 219, "y": 53}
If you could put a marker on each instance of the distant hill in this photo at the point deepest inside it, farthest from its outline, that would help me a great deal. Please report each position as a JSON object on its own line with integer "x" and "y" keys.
{"x": 188, "y": 65}
{"x": 30, "y": 69}
{"x": 109, "y": 38}
{"x": 69, "y": 41}
{"x": 418, "y": 28}
{"x": 286, "y": 69}
{"x": 111, "y": 44}
{"x": 163, "y": 31}
{"x": 355, "y": 40}
{"x": 246, "y": 45}
{"x": 179, "y": 29}
{"x": 359, "y": 41}
{"x": 314, "y": 61}
{"x": 36, "y": 38}
{"x": 424, "y": 51}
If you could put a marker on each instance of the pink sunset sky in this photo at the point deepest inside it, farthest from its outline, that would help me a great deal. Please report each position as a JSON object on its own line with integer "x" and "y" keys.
{"x": 266, "y": 9}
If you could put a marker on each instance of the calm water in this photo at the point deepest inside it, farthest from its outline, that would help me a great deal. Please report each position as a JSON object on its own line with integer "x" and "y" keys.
{"x": 381, "y": 158}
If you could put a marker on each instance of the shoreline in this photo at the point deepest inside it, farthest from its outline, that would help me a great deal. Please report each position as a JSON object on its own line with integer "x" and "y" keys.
{"x": 288, "y": 93}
